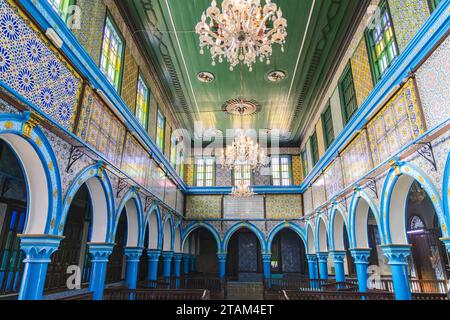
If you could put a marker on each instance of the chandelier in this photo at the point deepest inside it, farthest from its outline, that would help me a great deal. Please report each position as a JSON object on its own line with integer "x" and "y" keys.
{"x": 243, "y": 151}
{"x": 242, "y": 190}
{"x": 242, "y": 32}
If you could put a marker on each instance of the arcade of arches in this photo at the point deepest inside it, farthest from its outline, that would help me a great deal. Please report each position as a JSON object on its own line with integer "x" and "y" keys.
{"x": 101, "y": 192}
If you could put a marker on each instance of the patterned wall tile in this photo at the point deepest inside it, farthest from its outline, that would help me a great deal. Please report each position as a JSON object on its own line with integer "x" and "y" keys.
{"x": 334, "y": 180}
{"x": 433, "y": 82}
{"x": 308, "y": 201}
{"x": 204, "y": 207}
{"x": 318, "y": 192}
{"x": 170, "y": 195}
{"x": 362, "y": 76}
{"x": 297, "y": 172}
{"x": 356, "y": 159}
{"x": 223, "y": 176}
{"x": 180, "y": 202}
{"x": 129, "y": 81}
{"x": 407, "y": 17}
{"x": 284, "y": 206}
{"x": 397, "y": 124}
{"x": 30, "y": 65}
{"x": 90, "y": 35}
{"x": 135, "y": 161}
{"x": 100, "y": 128}
{"x": 189, "y": 174}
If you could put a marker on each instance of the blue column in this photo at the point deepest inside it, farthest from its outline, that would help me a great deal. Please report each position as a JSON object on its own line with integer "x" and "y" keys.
{"x": 222, "y": 257}
{"x": 38, "y": 250}
{"x": 193, "y": 263}
{"x": 322, "y": 257}
{"x": 266, "y": 257}
{"x": 397, "y": 259}
{"x": 186, "y": 264}
{"x": 361, "y": 258}
{"x": 167, "y": 261}
{"x": 100, "y": 253}
{"x": 338, "y": 260}
{"x": 177, "y": 257}
{"x": 133, "y": 258}
{"x": 313, "y": 272}
{"x": 153, "y": 260}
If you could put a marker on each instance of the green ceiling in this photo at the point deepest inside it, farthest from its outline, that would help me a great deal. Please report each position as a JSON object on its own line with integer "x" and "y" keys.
{"x": 173, "y": 46}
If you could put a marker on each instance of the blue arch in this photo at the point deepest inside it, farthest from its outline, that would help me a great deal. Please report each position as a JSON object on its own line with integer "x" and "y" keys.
{"x": 92, "y": 172}
{"x": 241, "y": 225}
{"x": 169, "y": 219}
{"x": 199, "y": 224}
{"x": 286, "y": 225}
{"x": 131, "y": 195}
{"x": 414, "y": 172}
{"x": 446, "y": 189}
{"x": 15, "y": 124}
{"x": 317, "y": 233}
{"x": 361, "y": 195}
{"x": 154, "y": 209}
{"x": 310, "y": 230}
{"x": 334, "y": 211}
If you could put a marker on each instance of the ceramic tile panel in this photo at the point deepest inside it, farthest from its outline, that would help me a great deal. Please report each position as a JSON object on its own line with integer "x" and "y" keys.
{"x": 308, "y": 201}
{"x": 397, "y": 124}
{"x": 129, "y": 81}
{"x": 204, "y": 207}
{"x": 334, "y": 180}
{"x": 32, "y": 67}
{"x": 284, "y": 206}
{"x": 100, "y": 128}
{"x": 318, "y": 192}
{"x": 297, "y": 172}
{"x": 135, "y": 161}
{"x": 362, "y": 75}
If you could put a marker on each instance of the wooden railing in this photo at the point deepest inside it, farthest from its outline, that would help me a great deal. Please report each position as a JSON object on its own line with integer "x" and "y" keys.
{"x": 155, "y": 294}
{"x": 83, "y": 296}
{"x": 305, "y": 284}
{"x": 417, "y": 286}
{"x": 338, "y": 295}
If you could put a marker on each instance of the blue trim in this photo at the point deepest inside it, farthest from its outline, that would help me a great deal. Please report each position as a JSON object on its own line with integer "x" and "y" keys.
{"x": 256, "y": 189}
{"x": 246, "y": 225}
{"x": 132, "y": 194}
{"x": 446, "y": 189}
{"x": 154, "y": 209}
{"x": 197, "y": 225}
{"x": 46, "y": 17}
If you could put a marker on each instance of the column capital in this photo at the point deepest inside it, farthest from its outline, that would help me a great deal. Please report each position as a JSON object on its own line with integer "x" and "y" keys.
{"x": 177, "y": 257}
{"x": 153, "y": 254}
{"x": 446, "y": 242}
{"x": 311, "y": 257}
{"x": 222, "y": 256}
{"x": 39, "y": 248}
{"x": 322, "y": 256}
{"x": 397, "y": 254}
{"x": 338, "y": 256}
{"x": 267, "y": 257}
{"x": 133, "y": 253}
{"x": 361, "y": 255}
{"x": 167, "y": 255}
{"x": 100, "y": 252}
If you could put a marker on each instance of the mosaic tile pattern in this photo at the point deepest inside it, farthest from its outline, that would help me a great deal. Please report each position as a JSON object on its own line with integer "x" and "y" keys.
{"x": 189, "y": 174}
{"x": 100, "y": 128}
{"x": 31, "y": 66}
{"x": 223, "y": 176}
{"x": 170, "y": 194}
{"x": 308, "y": 201}
{"x": 356, "y": 159}
{"x": 180, "y": 202}
{"x": 334, "y": 181}
{"x": 407, "y": 17}
{"x": 362, "y": 76}
{"x": 397, "y": 124}
{"x": 284, "y": 206}
{"x": 90, "y": 35}
{"x": 297, "y": 172}
{"x": 433, "y": 82}
{"x": 204, "y": 207}
{"x": 135, "y": 161}
{"x": 318, "y": 192}
{"x": 129, "y": 81}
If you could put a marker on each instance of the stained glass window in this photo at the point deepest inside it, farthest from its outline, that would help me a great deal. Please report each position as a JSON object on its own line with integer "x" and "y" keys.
{"x": 347, "y": 92}
{"x": 160, "y": 130}
{"x": 204, "y": 172}
{"x": 433, "y": 4}
{"x": 242, "y": 172}
{"x": 328, "y": 128}
{"x": 281, "y": 170}
{"x": 142, "y": 102}
{"x": 61, "y": 7}
{"x": 112, "y": 53}
{"x": 381, "y": 42}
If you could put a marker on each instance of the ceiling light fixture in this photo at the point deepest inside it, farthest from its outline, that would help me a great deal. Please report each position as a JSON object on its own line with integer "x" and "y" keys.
{"x": 242, "y": 32}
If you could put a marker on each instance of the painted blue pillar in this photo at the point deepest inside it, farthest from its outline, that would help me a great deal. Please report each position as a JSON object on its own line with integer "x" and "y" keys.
{"x": 153, "y": 260}
{"x": 186, "y": 264}
{"x": 167, "y": 261}
{"x": 338, "y": 260}
{"x": 312, "y": 268}
{"x": 177, "y": 257}
{"x": 266, "y": 257}
{"x": 322, "y": 257}
{"x": 397, "y": 259}
{"x": 193, "y": 261}
{"x": 38, "y": 250}
{"x": 361, "y": 258}
{"x": 100, "y": 253}
{"x": 133, "y": 258}
{"x": 222, "y": 257}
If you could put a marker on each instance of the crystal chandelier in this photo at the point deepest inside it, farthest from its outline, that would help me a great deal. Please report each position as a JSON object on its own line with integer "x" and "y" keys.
{"x": 242, "y": 32}
{"x": 243, "y": 151}
{"x": 242, "y": 190}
